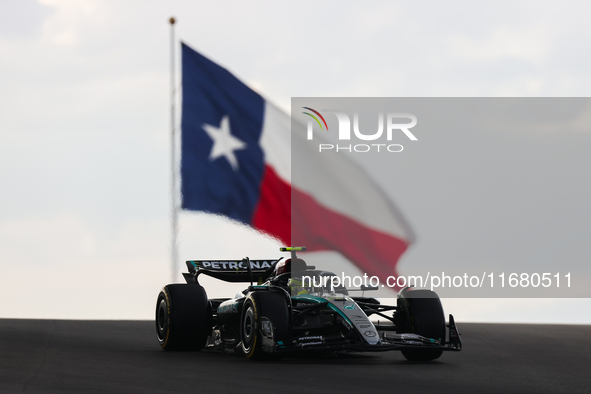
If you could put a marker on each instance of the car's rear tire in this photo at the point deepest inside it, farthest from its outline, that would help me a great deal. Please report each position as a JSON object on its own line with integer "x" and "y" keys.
{"x": 183, "y": 317}
{"x": 258, "y": 306}
{"x": 422, "y": 314}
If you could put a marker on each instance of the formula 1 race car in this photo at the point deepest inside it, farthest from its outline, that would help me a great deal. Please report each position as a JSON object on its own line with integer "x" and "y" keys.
{"x": 284, "y": 313}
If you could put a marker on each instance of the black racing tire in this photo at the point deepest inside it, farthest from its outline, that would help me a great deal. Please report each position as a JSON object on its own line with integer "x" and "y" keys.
{"x": 422, "y": 315}
{"x": 258, "y": 305}
{"x": 183, "y": 317}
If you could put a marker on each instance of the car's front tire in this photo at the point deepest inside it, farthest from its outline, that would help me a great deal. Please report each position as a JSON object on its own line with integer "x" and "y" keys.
{"x": 422, "y": 314}
{"x": 259, "y": 306}
{"x": 183, "y": 317}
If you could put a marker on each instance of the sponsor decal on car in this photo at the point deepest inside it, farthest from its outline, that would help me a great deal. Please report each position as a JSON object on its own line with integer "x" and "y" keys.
{"x": 234, "y": 265}
{"x": 310, "y": 343}
{"x": 316, "y": 337}
{"x": 228, "y": 308}
{"x": 310, "y": 340}
{"x": 410, "y": 336}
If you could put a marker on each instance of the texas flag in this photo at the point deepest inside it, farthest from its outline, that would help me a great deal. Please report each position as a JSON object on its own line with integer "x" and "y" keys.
{"x": 237, "y": 152}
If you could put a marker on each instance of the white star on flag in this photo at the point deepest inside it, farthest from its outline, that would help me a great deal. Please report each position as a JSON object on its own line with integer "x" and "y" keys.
{"x": 224, "y": 143}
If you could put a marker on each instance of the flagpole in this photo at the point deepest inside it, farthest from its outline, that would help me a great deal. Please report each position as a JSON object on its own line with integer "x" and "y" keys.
{"x": 174, "y": 211}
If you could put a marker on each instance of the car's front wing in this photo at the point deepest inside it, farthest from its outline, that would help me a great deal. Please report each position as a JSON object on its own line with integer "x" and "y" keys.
{"x": 389, "y": 341}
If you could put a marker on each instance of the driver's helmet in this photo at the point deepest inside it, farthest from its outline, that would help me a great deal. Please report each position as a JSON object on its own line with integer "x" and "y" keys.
{"x": 282, "y": 267}
{"x": 289, "y": 265}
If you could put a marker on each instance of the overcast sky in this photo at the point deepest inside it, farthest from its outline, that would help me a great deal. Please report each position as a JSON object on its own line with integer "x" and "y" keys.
{"x": 84, "y": 122}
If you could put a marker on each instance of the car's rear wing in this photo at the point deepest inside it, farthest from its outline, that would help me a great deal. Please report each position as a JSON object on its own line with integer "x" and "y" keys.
{"x": 231, "y": 270}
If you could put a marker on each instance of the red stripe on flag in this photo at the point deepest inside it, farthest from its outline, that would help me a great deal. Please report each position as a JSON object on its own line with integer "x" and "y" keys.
{"x": 273, "y": 212}
{"x": 319, "y": 228}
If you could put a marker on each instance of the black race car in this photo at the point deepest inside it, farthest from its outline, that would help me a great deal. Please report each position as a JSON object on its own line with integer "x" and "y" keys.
{"x": 293, "y": 308}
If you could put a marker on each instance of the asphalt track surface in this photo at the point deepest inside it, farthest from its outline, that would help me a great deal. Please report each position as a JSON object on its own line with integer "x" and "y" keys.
{"x": 66, "y": 356}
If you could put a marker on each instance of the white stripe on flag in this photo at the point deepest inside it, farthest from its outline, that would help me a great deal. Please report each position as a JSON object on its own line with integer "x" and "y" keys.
{"x": 276, "y": 141}
{"x": 333, "y": 179}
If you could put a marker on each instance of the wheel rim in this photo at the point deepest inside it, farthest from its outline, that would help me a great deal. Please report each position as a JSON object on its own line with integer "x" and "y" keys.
{"x": 161, "y": 319}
